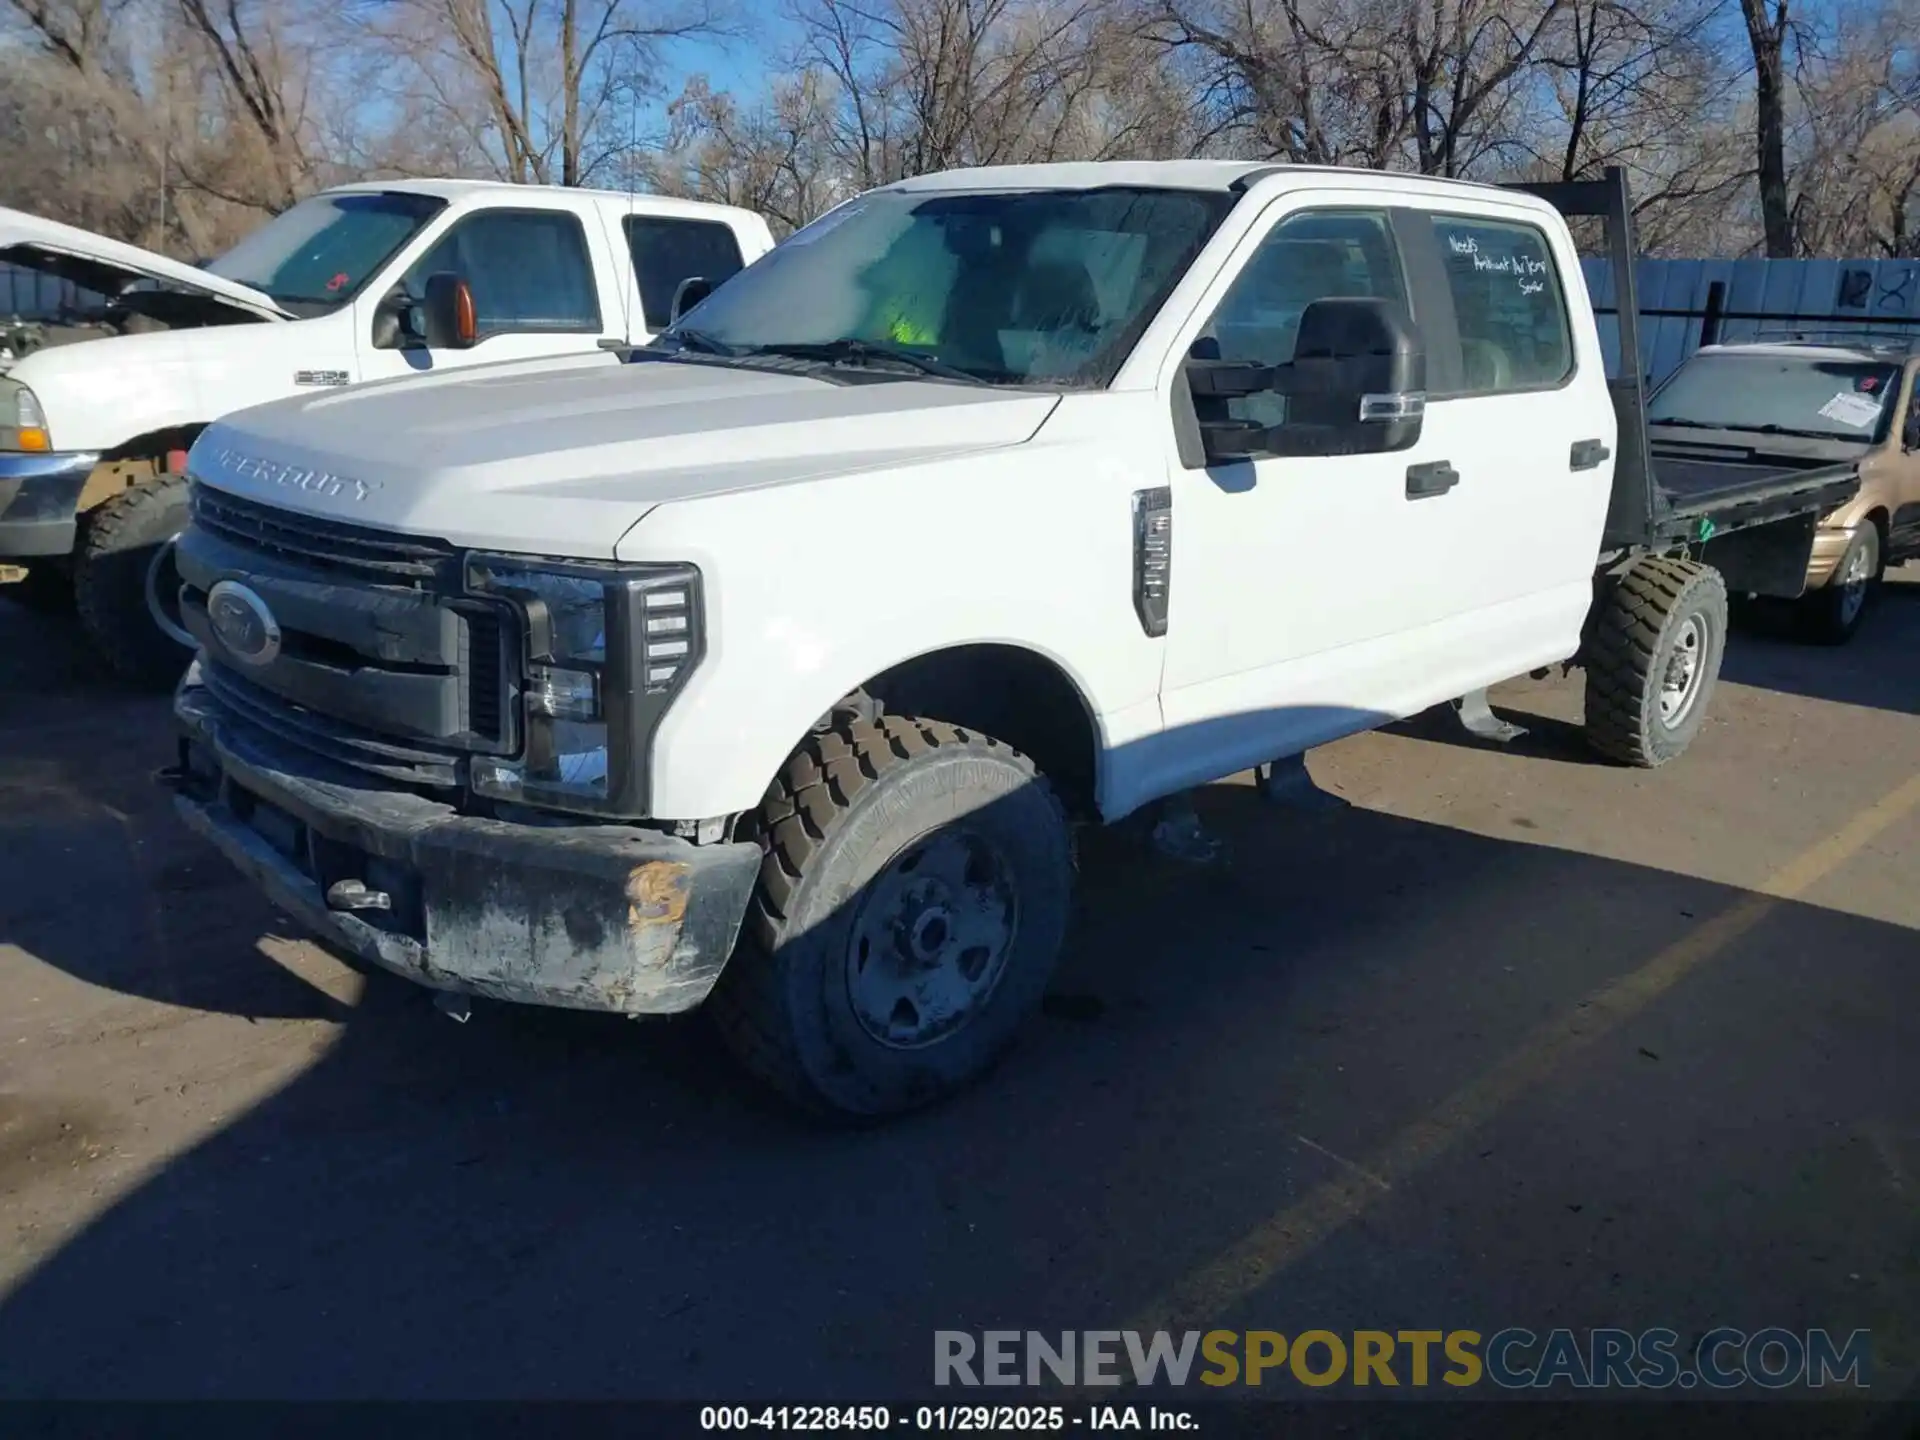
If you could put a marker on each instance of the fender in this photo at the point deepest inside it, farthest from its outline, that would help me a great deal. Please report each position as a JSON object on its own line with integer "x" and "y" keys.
{"x": 782, "y": 593}
{"x": 100, "y": 394}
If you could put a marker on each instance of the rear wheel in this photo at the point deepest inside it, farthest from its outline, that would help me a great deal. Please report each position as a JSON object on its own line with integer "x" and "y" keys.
{"x": 1833, "y": 613}
{"x": 1653, "y": 659}
{"x": 119, "y": 550}
{"x": 911, "y": 908}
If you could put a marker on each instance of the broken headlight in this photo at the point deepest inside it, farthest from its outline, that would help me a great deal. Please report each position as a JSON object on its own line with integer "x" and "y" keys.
{"x": 606, "y": 647}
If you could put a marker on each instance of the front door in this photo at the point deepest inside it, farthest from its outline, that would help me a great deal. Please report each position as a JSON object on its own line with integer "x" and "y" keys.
{"x": 1902, "y": 460}
{"x": 533, "y": 278}
{"x": 1310, "y": 595}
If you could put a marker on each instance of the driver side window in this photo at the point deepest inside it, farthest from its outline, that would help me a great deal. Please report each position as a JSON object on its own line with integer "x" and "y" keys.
{"x": 528, "y": 269}
{"x": 1314, "y": 255}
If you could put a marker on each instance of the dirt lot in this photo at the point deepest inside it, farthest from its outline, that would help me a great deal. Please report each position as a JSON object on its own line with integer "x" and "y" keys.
{"x": 1517, "y": 1039}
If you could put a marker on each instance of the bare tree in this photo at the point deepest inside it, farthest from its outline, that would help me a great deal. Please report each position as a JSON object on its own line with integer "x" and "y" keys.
{"x": 1767, "y": 31}
{"x": 554, "y": 82}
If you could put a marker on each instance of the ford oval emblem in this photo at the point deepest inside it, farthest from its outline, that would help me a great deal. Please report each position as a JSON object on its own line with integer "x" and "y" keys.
{"x": 243, "y": 624}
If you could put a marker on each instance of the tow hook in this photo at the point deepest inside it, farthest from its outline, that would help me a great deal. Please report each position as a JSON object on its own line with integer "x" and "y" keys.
{"x": 354, "y": 895}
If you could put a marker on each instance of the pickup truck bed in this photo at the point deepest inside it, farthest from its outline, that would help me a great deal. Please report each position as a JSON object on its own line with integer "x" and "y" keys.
{"x": 1735, "y": 494}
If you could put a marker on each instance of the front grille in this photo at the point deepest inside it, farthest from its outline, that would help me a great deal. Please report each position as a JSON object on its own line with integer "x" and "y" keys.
{"x": 324, "y": 544}
{"x": 410, "y": 763}
{"x": 384, "y": 663}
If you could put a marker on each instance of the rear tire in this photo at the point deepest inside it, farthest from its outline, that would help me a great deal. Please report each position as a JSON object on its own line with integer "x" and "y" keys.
{"x": 1832, "y": 614}
{"x": 118, "y": 542}
{"x": 911, "y": 908}
{"x": 1653, "y": 659}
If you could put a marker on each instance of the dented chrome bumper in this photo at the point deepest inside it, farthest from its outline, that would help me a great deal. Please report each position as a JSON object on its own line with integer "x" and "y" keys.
{"x": 590, "y": 917}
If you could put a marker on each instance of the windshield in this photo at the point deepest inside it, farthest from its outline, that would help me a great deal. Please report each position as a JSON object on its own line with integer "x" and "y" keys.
{"x": 1781, "y": 394}
{"x": 1046, "y": 287}
{"x": 317, "y": 255}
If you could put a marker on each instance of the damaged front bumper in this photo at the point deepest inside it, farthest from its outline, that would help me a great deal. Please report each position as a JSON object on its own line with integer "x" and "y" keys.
{"x": 589, "y": 917}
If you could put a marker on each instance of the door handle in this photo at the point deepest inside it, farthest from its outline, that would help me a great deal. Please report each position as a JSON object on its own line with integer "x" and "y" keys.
{"x": 1434, "y": 478}
{"x": 1588, "y": 455}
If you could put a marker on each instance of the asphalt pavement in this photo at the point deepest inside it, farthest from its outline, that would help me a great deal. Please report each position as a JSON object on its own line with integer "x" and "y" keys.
{"x": 1514, "y": 1038}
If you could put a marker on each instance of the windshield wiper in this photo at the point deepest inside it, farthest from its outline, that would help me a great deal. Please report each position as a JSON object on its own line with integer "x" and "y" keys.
{"x": 1771, "y": 429}
{"x": 852, "y": 351}
{"x": 697, "y": 341}
{"x": 1732, "y": 428}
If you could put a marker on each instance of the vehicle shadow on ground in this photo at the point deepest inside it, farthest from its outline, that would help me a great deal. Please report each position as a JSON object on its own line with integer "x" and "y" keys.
{"x": 1876, "y": 669}
{"x": 89, "y": 849}
{"x": 548, "y": 1204}
{"x": 1542, "y": 737}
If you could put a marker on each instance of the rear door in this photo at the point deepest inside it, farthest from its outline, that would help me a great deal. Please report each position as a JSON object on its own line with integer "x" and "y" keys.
{"x": 1527, "y": 407}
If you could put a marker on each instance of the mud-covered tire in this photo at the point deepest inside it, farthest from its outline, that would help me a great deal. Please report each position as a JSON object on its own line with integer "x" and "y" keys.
{"x": 1651, "y": 614}
{"x": 118, "y": 541}
{"x": 1832, "y": 614}
{"x": 855, "y": 809}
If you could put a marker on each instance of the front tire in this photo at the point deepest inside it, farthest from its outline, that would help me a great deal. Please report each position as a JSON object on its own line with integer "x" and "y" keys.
{"x": 1832, "y": 614}
{"x": 911, "y": 908}
{"x": 118, "y": 542}
{"x": 1653, "y": 660}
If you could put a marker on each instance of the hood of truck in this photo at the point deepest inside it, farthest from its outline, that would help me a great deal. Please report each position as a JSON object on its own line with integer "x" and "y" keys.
{"x": 553, "y": 457}
{"x": 111, "y": 267}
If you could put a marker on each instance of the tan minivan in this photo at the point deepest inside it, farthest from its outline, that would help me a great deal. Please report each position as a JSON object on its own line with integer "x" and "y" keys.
{"x": 1814, "y": 402}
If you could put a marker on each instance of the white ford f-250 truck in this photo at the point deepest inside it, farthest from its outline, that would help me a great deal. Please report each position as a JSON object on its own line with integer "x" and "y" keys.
{"x": 329, "y": 293}
{"x": 773, "y": 667}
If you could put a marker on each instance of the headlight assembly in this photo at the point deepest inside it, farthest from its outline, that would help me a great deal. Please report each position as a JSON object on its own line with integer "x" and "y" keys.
{"x": 606, "y": 648}
{"x": 23, "y": 425}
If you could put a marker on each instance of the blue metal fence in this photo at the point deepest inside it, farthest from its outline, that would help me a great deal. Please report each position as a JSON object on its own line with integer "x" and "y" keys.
{"x": 33, "y": 296}
{"x": 1682, "y": 300}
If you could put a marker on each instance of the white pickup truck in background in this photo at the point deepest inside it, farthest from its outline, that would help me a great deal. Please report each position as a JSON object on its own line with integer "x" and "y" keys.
{"x": 775, "y": 664}
{"x": 330, "y": 293}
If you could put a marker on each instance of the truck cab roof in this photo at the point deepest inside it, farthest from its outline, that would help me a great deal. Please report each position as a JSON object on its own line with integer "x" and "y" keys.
{"x": 497, "y": 191}
{"x": 1219, "y": 175}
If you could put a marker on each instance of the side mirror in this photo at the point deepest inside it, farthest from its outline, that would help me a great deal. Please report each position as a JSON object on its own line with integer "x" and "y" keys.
{"x": 450, "y": 322}
{"x": 1356, "y": 385}
{"x": 393, "y": 320}
{"x": 687, "y": 294}
{"x": 1910, "y": 435}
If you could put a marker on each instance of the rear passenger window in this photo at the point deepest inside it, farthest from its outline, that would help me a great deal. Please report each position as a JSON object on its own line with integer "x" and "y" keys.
{"x": 1316, "y": 255}
{"x": 666, "y": 251}
{"x": 1507, "y": 297}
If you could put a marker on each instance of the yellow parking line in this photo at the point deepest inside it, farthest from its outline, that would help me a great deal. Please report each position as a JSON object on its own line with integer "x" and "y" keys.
{"x": 1205, "y": 1295}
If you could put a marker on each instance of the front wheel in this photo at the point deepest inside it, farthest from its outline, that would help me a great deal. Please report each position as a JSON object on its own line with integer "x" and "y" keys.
{"x": 1833, "y": 613}
{"x": 1653, "y": 659}
{"x": 911, "y": 908}
{"x": 120, "y": 548}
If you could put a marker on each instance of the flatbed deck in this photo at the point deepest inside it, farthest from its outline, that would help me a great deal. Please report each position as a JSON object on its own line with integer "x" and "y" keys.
{"x": 1736, "y": 494}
